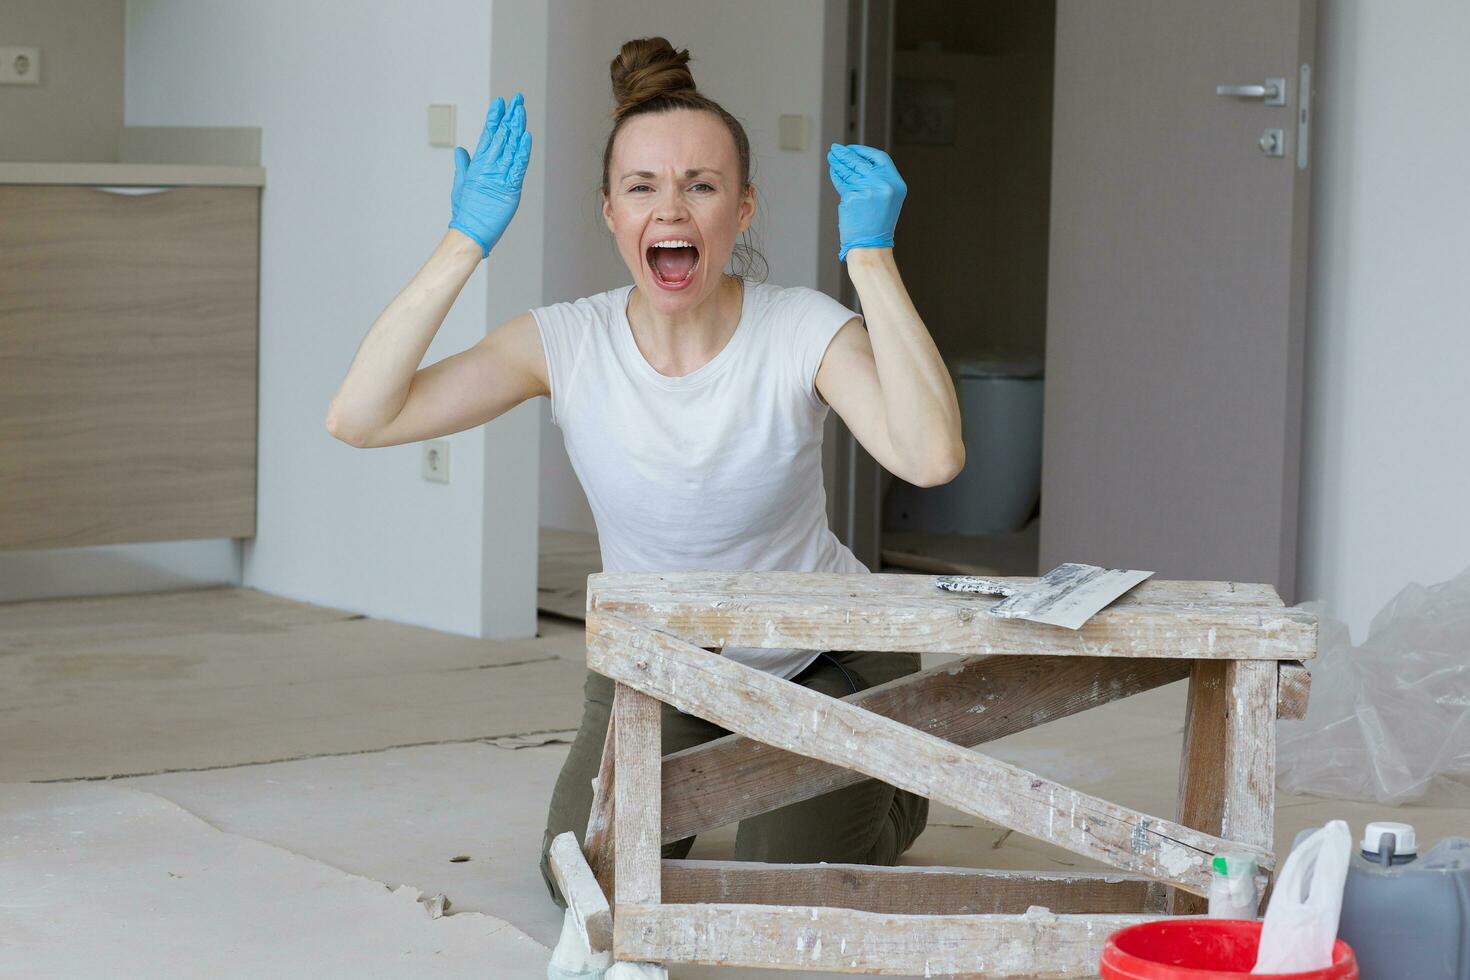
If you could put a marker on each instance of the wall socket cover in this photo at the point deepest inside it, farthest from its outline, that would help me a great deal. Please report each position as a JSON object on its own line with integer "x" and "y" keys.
{"x": 20, "y": 66}
{"x": 436, "y": 460}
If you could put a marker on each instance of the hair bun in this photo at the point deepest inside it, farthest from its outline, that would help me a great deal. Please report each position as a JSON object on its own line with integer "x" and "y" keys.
{"x": 647, "y": 68}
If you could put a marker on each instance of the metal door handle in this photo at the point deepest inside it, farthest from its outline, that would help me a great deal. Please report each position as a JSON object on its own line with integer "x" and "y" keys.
{"x": 1272, "y": 93}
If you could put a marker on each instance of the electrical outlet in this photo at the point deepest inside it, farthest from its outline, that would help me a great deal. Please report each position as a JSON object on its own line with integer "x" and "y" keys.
{"x": 20, "y": 66}
{"x": 436, "y": 460}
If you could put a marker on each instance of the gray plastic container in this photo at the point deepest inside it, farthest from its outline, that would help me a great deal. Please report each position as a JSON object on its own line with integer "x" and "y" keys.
{"x": 1406, "y": 915}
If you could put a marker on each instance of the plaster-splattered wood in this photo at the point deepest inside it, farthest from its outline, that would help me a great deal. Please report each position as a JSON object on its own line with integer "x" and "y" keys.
{"x": 1201, "y": 764}
{"x": 585, "y": 899}
{"x": 1179, "y": 595}
{"x": 901, "y": 890}
{"x": 599, "y": 837}
{"x": 1248, "y": 810}
{"x": 1039, "y": 945}
{"x": 967, "y": 702}
{"x": 636, "y": 734}
{"x": 760, "y": 706}
{"x": 832, "y": 611}
{"x": 1227, "y": 774}
{"x": 1293, "y": 690}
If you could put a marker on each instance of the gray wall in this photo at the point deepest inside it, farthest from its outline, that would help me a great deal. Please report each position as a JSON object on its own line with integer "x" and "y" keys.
{"x": 76, "y": 112}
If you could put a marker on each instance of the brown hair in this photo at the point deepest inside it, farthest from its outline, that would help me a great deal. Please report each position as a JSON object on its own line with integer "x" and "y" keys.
{"x": 648, "y": 75}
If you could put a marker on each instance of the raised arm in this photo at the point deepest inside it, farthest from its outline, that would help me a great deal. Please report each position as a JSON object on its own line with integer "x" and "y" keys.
{"x": 385, "y": 398}
{"x": 888, "y": 383}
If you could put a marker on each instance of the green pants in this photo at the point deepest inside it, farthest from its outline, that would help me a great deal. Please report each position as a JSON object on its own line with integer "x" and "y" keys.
{"x": 868, "y": 822}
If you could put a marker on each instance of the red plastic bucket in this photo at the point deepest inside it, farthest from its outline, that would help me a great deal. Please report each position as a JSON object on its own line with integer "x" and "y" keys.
{"x": 1203, "y": 949}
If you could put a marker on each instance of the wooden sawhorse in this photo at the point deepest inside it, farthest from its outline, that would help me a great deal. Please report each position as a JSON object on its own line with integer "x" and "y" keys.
{"x": 653, "y": 634}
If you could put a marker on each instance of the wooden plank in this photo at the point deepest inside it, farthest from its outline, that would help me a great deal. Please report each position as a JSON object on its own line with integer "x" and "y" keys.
{"x": 823, "y": 611}
{"x": 902, "y": 890}
{"x": 636, "y": 855}
{"x": 1293, "y": 689}
{"x": 1201, "y": 764}
{"x": 1227, "y": 778}
{"x": 889, "y": 585}
{"x": 599, "y": 837}
{"x": 1037, "y": 944}
{"x": 1249, "y": 805}
{"x": 783, "y": 714}
{"x": 585, "y": 898}
{"x": 967, "y": 702}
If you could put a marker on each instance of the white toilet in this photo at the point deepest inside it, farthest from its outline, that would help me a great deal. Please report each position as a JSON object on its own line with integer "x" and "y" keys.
{"x": 1000, "y": 419}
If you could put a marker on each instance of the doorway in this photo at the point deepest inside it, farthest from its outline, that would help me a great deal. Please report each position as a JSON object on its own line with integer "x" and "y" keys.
{"x": 1109, "y": 204}
{"x": 965, "y": 112}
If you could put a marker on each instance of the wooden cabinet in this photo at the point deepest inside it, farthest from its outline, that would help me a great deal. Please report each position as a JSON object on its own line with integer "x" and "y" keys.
{"x": 128, "y": 352}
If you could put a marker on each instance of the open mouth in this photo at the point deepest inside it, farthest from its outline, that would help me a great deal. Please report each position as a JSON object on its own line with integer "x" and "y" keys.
{"x": 673, "y": 266}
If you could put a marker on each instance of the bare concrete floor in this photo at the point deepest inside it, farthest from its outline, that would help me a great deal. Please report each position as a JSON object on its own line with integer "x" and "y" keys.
{"x": 224, "y": 783}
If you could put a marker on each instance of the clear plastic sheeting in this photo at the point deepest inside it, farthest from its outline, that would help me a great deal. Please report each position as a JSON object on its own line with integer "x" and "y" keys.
{"x": 1388, "y": 721}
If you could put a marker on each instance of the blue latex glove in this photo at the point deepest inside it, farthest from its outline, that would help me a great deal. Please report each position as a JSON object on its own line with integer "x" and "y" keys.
{"x": 871, "y": 191}
{"x": 487, "y": 189}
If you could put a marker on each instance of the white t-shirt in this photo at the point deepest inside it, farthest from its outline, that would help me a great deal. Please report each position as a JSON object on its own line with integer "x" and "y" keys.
{"x": 718, "y": 470}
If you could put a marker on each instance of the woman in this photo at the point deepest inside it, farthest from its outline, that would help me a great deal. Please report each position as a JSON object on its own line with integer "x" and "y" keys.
{"x": 691, "y": 401}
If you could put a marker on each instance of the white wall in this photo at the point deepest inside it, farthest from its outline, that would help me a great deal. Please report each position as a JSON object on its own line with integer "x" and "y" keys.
{"x": 759, "y": 59}
{"x": 355, "y": 201}
{"x": 1386, "y": 468}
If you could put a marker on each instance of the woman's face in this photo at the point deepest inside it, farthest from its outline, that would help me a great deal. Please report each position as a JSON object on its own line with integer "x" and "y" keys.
{"x": 653, "y": 196}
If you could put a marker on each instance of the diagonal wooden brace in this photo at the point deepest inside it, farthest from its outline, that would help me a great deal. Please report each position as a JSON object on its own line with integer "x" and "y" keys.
{"x": 967, "y": 702}
{"x": 599, "y": 837}
{"x": 771, "y": 710}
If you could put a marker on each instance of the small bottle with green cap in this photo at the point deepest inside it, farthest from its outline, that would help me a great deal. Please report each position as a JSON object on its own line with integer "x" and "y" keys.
{"x": 1233, "y": 893}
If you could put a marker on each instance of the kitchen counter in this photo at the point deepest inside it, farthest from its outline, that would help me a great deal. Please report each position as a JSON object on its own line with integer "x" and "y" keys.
{"x": 132, "y": 174}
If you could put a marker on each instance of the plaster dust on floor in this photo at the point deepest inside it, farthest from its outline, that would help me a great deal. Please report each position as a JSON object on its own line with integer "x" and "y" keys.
{"x": 279, "y": 787}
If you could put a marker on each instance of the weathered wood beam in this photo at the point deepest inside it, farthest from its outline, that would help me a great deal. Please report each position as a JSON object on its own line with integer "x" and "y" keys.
{"x": 1037, "y": 944}
{"x": 822, "y": 611}
{"x": 902, "y": 890}
{"x": 1249, "y": 808}
{"x": 636, "y": 730}
{"x": 1293, "y": 689}
{"x": 585, "y": 899}
{"x": 1227, "y": 773}
{"x": 1201, "y": 764}
{"x": 764, "y": 585}
{"x": 771, "y": 710}
{"x": 598, "y": 848}
{"x": 967, "y": 702}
